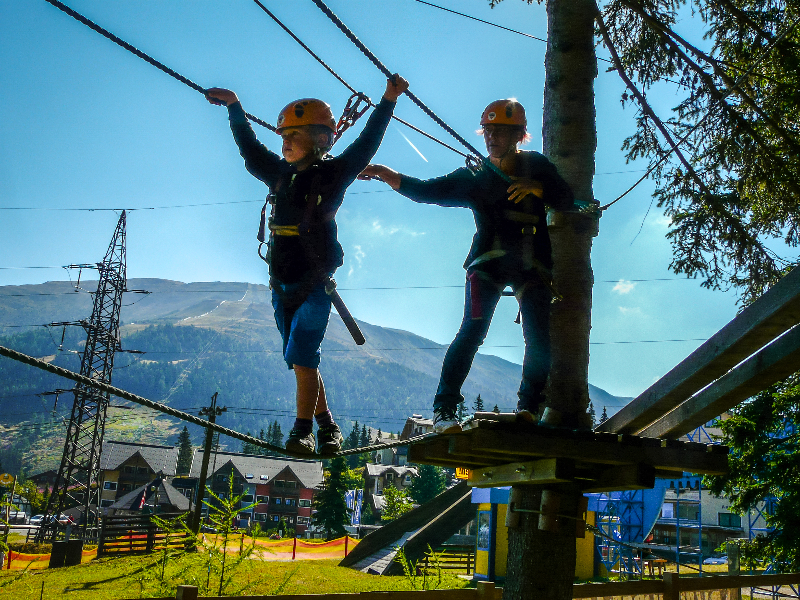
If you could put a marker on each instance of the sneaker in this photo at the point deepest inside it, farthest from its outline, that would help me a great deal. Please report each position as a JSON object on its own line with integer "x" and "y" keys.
{"x": 445, "y": 420}
{"x": 299, "y": 442}
{"x": 330, "y": 439}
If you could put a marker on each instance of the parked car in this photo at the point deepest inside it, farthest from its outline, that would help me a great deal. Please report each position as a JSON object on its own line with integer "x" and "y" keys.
{"x": 716, "y": 560}
{"x": 17, "y": 516}
{"x": 36, "y": 520}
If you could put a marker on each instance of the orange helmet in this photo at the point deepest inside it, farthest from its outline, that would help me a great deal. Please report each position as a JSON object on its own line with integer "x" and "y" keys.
{"x": 306, "y": 111}
{"x": 505, "y": 112}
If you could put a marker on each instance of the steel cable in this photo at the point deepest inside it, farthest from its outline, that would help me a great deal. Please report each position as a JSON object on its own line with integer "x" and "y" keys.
{"x": 161, "y": 66}
{"x": 347, "y": 85}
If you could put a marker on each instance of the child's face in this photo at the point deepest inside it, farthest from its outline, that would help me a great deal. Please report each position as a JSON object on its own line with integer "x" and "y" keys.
{"x": 298, "y": 144}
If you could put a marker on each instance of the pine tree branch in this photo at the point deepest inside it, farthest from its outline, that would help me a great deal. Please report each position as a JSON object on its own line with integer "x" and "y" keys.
{"x": 668, "y": 35}
{"x": 644, "y": 104}
{"x": 719, "y": 97}
{"x": 742, "y": 17}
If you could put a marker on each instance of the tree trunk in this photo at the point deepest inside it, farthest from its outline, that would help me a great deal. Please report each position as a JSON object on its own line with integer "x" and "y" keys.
{"x": 541, "y": 563}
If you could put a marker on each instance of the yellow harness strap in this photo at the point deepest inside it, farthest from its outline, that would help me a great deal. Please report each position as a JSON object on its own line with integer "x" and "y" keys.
{"x": 284, "y": 230}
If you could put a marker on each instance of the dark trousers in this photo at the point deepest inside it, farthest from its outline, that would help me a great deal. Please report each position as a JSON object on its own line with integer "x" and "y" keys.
{"x": 534, "y": 304}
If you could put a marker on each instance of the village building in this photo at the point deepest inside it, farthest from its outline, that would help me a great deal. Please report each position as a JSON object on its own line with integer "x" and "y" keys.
{"x": 272, "y": 488}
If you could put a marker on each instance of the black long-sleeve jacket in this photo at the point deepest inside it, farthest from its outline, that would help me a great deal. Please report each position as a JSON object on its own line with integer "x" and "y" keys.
{"x": 502, "y": 226}
{"x": 294, "y": 259}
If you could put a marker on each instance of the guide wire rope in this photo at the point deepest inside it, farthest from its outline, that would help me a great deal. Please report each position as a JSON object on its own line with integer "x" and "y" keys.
{"x": 125, "y": 395}
{"x": 132, "y": 49}
{"x": 347, "y": 85}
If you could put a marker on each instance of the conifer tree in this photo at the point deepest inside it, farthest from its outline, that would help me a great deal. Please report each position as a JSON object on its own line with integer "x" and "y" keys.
{"x": 277, "y": 435}
{"x": 331, "y": 509}
{"x": 604, "y": 416}
{"x": 247, "y": 447}
{"x": 364, "y": 441}
{"x": 592, "y": 415}
{"x": 185, "y": 451}
{"x": 462, "y": 411}
{"x": 429, "y": 483}
{"x": 261, "y": 450}
{"x": 496, "y": 409}
{"x": 478, "y": 406}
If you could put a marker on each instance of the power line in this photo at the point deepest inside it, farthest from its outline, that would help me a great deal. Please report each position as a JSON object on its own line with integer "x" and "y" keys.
{"x": 239, "y": 291}
{"x": 528, "y": 35}
{"x": 46, "y": 208}
{"x": 455, "y": 12}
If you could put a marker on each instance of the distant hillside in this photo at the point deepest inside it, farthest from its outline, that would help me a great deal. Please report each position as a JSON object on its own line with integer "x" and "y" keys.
{"x": 202, "y": 338}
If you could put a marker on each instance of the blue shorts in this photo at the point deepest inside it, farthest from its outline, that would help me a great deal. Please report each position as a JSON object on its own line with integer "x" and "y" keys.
{"x": 302, "y": 331}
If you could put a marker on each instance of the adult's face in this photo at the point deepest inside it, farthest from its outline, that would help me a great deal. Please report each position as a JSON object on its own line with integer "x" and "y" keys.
{"x": 501, "y": 140}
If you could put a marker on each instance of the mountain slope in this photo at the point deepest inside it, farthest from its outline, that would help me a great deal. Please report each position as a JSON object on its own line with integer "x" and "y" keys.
{"x": 203, "y": 338}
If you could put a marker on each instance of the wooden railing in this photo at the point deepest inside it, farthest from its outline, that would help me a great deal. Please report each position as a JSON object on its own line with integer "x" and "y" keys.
{"x": 485, "y": 590}
{"x": 671, "y": 587}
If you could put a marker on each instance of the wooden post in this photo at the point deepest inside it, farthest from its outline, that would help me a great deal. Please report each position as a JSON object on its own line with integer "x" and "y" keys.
{"x": 672, "y": 586}
{"x": 294, "y": 548}
{"x": 485, "y": 590}
{"x": 186, "y": 592}
{"x": 345, "y": 544}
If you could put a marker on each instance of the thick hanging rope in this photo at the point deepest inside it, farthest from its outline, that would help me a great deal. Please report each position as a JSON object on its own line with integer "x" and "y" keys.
{"x": 374, "y": 59}
{"x": 162, "y": 67}
{"x": 178, "y": 414}
{"x": 590, "y": 208}
{"x": 347, "y": 85}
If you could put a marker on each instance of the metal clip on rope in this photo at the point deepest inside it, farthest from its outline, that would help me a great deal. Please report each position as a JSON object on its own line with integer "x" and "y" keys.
{"x": 357, "y": 105}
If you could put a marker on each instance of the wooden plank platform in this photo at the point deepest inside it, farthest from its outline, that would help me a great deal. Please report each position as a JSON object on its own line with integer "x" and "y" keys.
{"x": 772, "y": 314}
{"x": 505, "y": 452}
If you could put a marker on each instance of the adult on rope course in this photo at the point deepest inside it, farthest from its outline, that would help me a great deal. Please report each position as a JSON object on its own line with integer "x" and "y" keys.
{"x": 307, "y": 187}
{"x": 511, "y": 247}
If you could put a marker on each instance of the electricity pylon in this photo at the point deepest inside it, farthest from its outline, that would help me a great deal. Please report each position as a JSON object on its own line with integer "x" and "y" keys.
{"x": 78, "y": 481}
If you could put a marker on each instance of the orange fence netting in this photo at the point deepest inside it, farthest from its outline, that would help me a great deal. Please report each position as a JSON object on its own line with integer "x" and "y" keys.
{"x": 19, "y": 560}
{"x": 285, "y": 549}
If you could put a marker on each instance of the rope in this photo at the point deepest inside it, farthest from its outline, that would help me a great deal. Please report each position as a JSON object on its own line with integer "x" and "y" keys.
{"x": 590, "y": 208}
{"x": 162, "y": 67}
{"x": 374, "y": 59}
{"x": 120, "y": 393}
{"x": 347, "y": 85}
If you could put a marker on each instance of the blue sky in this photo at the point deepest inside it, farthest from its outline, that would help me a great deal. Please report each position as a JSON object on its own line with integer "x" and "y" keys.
{"x": 87, "y": 125}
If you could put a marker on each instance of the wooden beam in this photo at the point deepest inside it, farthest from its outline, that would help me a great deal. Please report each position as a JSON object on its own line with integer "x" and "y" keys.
{"x": 772, "y": 314}
{"x": 661, "y": 454}
{"x": 626, "y": 477}
{"x": 537, "y": 472}
{"x": 773, "y": 363}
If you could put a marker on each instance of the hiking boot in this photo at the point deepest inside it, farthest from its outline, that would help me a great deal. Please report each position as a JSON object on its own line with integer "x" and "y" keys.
{"x": 445, "y": 420}
{"x": 330, "y": 439}
{"x": 300, "y": 442}
{"x": 527, "y": 416}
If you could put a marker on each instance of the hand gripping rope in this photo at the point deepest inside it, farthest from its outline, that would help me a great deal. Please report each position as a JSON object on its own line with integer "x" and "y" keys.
{"x": 120, "y": 393}
{"x": 120, "y": 42}
{"x": 348, "y": 86}
{"x": 472, "y": 161}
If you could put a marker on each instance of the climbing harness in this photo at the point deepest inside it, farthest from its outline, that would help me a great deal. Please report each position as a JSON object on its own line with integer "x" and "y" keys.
{"x": 162, "y": 67}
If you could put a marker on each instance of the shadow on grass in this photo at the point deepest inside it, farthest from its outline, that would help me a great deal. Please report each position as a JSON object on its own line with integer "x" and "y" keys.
{"x": 90, "y": 585}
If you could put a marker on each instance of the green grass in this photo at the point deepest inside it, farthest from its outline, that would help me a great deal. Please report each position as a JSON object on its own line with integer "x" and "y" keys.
{"x": 136, "y": 577}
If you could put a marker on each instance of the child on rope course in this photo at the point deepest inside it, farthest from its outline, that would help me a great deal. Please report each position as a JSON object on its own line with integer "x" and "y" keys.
{"x": 307, "y": 187}
{"x": 511, "y": 247}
